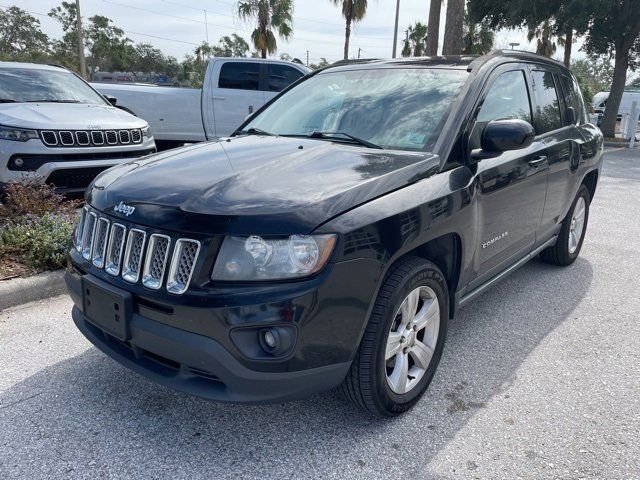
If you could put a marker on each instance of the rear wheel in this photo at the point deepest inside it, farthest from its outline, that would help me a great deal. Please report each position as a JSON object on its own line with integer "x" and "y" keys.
{"x": 572, "y": 232}
{"x": 403, "y": 341}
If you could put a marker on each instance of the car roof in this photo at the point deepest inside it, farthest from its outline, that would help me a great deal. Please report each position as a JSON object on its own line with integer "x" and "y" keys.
{"x": 461, "y": 62}
{"x": 32, "y": 66}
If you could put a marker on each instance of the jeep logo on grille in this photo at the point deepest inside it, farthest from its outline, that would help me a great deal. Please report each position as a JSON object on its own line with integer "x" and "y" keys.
{"x": 124, "y": 208}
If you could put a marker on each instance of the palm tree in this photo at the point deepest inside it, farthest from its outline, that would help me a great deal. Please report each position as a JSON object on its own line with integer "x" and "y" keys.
{"x": 546, "y": 46}
{"x": 353, "y": 11}
{"x": 270, "y": 15}
{"x": 433, "y": 27}
{"x": 452, "y": 43}
{"x": 477, "y": 39}
{"x": 416, "y": 41}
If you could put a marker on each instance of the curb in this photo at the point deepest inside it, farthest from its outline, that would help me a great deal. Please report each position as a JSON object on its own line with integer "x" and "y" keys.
{"x": 23, "y": 290}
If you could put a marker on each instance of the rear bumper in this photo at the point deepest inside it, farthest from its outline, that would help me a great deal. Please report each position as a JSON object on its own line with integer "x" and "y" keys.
{"x": 199, "y": 365}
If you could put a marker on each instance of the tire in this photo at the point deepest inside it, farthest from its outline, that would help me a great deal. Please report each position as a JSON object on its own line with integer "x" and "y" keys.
{"x": 563, "y": 253}
{"x": 369, "y": 381}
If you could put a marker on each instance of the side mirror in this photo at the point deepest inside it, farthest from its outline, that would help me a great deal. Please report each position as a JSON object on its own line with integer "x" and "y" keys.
{"x": 502, "y": 136}
{"x": 112, "y": 100}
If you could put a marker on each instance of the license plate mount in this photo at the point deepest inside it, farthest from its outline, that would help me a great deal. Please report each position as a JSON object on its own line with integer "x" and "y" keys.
{"x": 107, "y": 307}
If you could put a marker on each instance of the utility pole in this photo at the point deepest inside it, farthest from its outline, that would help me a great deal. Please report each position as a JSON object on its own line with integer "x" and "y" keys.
{"x": 206, "y": 26}
{"x": 395, "y": 29}
{"x": 359, "y": 50}
{"x": 83, "y": 65}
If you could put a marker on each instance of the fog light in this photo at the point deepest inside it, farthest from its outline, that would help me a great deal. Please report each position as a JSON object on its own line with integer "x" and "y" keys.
{"x": 270, "y": 339}
{"x": 18, "y": 162}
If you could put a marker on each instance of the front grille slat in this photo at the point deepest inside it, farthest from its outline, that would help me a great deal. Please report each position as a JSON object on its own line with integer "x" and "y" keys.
{"x": 97, "y": 137}
{"x": 124, "y": 137}
{"x": 133, "y": 255}
{"x": 136, "y": 136}
{"x": 88, "y": 235}
{"x": 49, "y": 138}
{"x": 156, "y": 261}
{"x": 82, "y": 138}
{"x": 66, "y": 138}
{"x": 114, "y": 250}
{"x": 151, "y": 259}
{"x": 182, "y": 267}
{"x": 100, "y": 242}
{"x": 111, "y": 136}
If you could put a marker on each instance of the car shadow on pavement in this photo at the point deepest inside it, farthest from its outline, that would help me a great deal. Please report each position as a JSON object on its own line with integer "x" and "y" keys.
{"x": 89, "y": 414}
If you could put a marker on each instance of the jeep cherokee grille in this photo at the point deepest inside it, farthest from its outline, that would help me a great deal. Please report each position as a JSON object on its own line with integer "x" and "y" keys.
{"x": 90, "y": 138}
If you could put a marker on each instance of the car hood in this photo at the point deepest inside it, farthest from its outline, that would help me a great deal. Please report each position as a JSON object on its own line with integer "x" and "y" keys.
{"x": 254, "y": 184}
{"x": 62, "y": 116}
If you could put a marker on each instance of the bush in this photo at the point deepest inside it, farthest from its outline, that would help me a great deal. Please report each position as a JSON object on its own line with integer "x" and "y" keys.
{"x": 35, "y": 227}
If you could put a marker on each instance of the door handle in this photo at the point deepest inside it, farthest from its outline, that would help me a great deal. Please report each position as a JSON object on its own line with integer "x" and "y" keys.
{"x": 535, "y": 162}
{"x": 218, "y": 98}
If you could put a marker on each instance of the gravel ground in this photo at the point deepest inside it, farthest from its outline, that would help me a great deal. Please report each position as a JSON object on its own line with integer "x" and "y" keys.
{"x": 539, "y": 379}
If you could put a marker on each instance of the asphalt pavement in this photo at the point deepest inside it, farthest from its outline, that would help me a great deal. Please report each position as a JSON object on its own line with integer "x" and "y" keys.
{"x": 540, "y": 378}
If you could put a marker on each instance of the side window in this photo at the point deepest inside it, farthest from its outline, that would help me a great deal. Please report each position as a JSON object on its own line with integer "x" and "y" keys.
{"x": 507, "y": 98}
{"x": 240, "y": 75}
{"x": 281, "y": 76}
{"x": 573, "y": 98}
{"x": 544, "y": 89}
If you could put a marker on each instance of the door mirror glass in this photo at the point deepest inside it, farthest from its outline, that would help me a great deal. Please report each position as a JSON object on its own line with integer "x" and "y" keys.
{"x": 503, "y": 135}
{"x": 112, "y": 100}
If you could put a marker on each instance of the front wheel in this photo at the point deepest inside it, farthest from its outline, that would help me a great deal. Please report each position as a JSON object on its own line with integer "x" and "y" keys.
{"x": 403, "y": 341}
{"x": 569, "y": 242}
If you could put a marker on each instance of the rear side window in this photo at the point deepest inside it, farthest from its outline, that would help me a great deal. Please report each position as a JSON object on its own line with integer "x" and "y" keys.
{"x": 281, "y": 76}
{"x": 548, "y": 114}
{"x": 574, "y": 99}
{"x": 240, "y": 76}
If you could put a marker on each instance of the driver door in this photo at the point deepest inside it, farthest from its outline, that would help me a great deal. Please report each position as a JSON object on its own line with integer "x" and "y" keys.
{"x": 511, "y": 186}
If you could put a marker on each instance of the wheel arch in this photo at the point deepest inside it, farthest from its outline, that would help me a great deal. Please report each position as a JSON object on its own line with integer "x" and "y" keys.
{"x": 590, "y": 181}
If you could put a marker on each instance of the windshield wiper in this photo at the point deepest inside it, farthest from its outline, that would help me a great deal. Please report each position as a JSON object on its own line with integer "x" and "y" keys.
{"x": 354, "y": 139}
{"x": 45, "y": 100}
{"x": 256, "y": 131}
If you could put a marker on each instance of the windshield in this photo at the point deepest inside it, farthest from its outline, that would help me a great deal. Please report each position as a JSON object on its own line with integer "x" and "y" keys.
{"x": 399, "y": 108}
{"x": 39, "y": 85}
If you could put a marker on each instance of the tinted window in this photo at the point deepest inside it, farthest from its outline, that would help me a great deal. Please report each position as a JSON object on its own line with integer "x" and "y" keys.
{"x": 507, "y": 98}
{"x": 281, "y": 76}
{"x": 402, "y": 108}
{"x": 547, "y": 100}
{"x": 240, "y": 75}
{"x": 573, "y": 98}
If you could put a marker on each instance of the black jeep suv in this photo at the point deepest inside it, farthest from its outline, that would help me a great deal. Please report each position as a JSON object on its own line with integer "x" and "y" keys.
{"x": 329, "y": 240}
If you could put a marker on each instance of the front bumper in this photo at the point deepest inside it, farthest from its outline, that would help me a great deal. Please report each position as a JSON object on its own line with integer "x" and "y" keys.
{"x": 69, "y": 169}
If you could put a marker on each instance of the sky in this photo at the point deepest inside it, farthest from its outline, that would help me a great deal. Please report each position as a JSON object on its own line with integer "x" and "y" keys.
{"x": 178, "y": 26}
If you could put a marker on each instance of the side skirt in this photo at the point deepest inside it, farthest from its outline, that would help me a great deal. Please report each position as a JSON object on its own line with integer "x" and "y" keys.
{"x": 478, "y": 290}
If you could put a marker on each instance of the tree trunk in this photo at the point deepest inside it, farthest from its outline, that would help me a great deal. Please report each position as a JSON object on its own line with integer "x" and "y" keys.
{"x": 264, "y": 53}
{"x": 433, "y": 29}
{"x": 568, "y": 41}
{"x": 617, "y": 88}
{"x": 452, "y": 44}
{"x": 347, "y": 35}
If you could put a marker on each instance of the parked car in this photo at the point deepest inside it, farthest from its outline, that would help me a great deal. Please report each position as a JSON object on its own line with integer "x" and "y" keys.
{"x": 56, "y": 128}
{"x": 233, "y": 89}
{"x": 332, "y": 237}
{"x": 628, "y": 97}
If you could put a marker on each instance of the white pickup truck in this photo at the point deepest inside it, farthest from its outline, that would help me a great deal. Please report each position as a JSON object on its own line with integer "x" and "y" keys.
{"x": 232, "y": 89}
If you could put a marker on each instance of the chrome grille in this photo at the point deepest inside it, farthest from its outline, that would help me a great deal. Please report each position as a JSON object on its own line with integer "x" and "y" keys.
{"x": 124, "y": 137}
{"x": 182, "y": 265}
{"x": 97, "y": 137}
{"x": 49, "y": 138}
{"x": 66, "y": 138}
{"x": 136, "y": 136}
{"x": 114, "y": 249}
{"x": 88, "y": 233}
{"x": 121, "y": 251}
{"x": 133, "y": 255}
{"x": 80, "y": 228}
{"x": 82, "y": 138}
{"x": 112, "y": 137}
{"x": 156, "y": 261}
{"x": 100, "y": 242}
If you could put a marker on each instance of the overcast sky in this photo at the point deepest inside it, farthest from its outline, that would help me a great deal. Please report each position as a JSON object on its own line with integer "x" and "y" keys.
{"x": 318, "y": 25}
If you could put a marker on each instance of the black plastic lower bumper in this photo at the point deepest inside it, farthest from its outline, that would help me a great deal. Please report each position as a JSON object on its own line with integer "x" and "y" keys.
{"x": 199, "y": 365}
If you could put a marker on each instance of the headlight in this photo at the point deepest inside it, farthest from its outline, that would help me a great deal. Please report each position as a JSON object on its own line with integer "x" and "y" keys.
{"x": 146, "y": 131}
{"x": 16, "y": 134}
{"x": 256, "y": 258}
